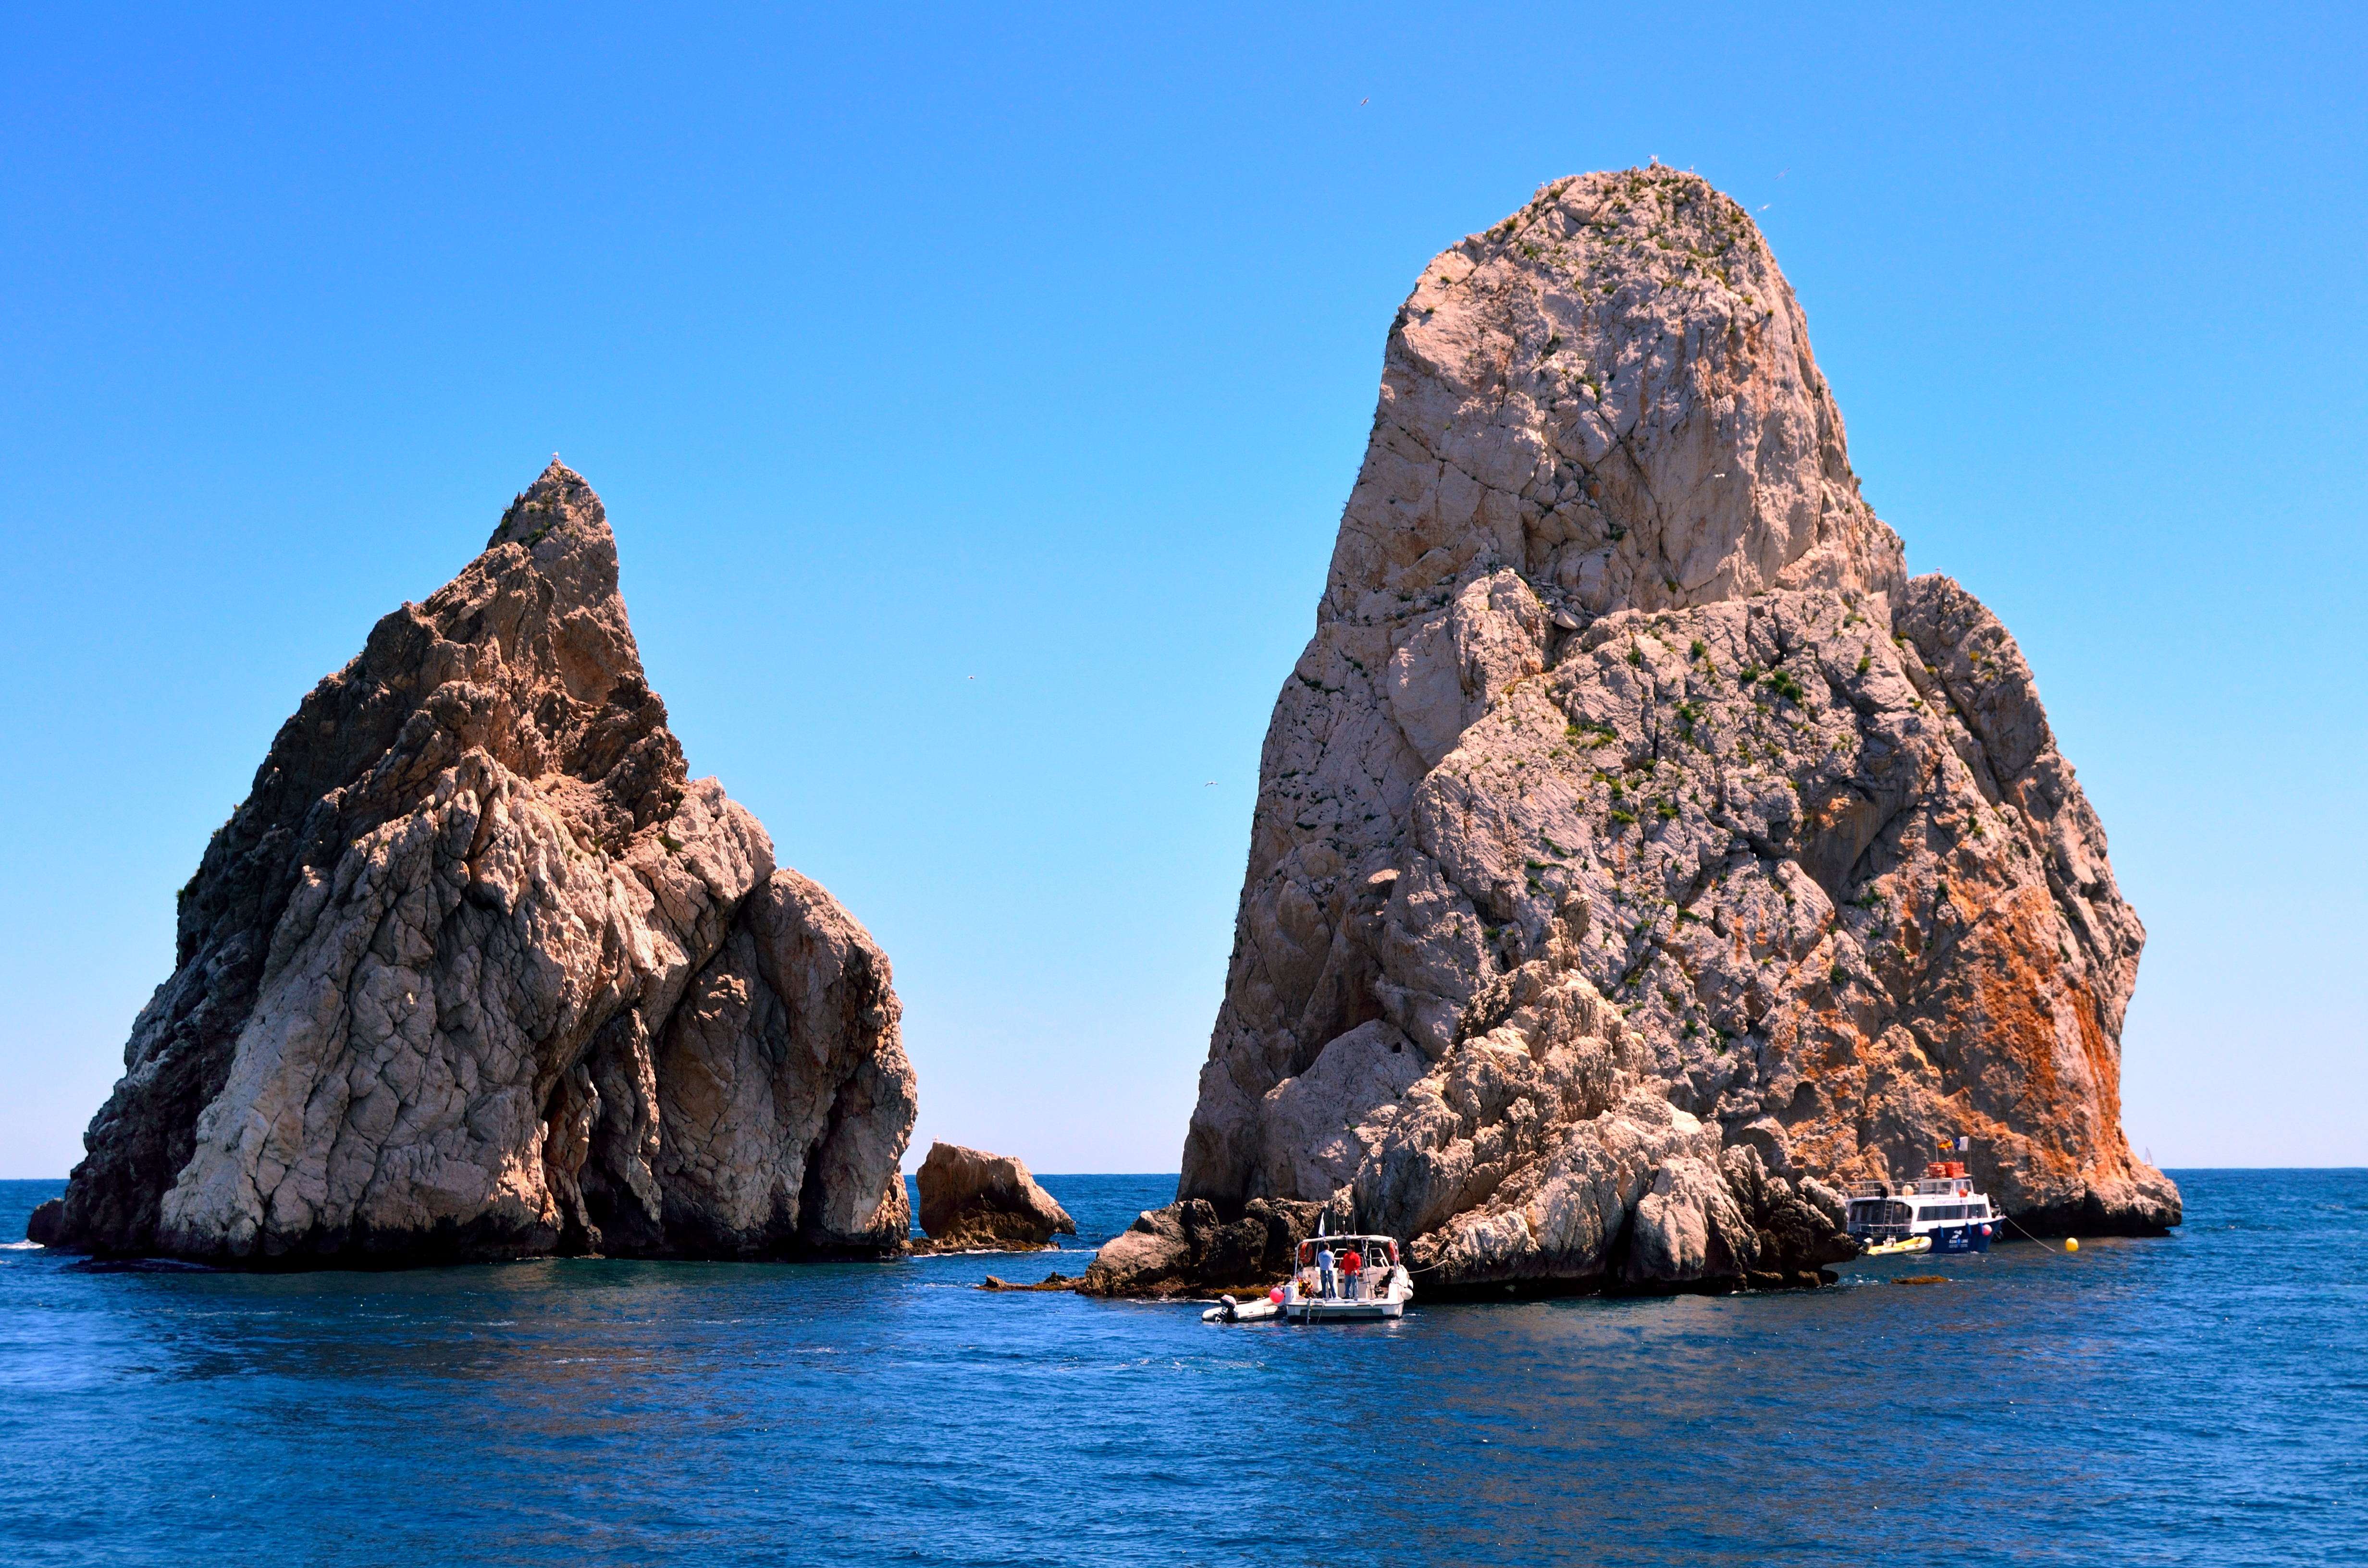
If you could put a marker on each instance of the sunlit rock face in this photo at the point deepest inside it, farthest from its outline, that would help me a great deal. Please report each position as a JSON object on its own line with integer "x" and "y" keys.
{"x": 477, "y": 971}
{"x": 1639, "y": 852}
{"x": 975, "y": 1201}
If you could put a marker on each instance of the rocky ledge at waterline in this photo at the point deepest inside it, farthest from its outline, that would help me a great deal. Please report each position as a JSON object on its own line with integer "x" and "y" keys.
{"x": 1639, "y": 852}
{"x": 477, "y": 970}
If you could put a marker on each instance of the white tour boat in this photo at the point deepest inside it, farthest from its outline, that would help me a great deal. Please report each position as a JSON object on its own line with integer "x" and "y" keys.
{"x": 1939, "y": 1213}
{"x": 1323, "y": 1287}
{"x": 1379, "y": 1287}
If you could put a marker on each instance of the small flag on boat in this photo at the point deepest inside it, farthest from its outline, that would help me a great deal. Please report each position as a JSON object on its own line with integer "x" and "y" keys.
{"x": 1965, "y": 1143}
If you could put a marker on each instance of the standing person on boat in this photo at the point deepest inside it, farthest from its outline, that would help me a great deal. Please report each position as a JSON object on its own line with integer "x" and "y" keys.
{"x": 1324, "y": 1268}
{"x": 1352, "y": 1263}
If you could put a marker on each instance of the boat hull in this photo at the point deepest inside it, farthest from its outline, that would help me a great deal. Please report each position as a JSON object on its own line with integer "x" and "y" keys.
{"x": 1343, "y": 1312}
{"x": 1961, "y": 1238}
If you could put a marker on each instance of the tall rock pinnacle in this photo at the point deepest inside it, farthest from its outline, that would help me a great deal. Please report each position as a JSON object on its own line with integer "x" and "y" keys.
{"x": 477, "y": 971}
{"x": 1639, "y": 853}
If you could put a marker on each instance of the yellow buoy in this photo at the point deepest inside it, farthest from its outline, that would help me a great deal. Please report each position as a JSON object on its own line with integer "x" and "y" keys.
{"x": 2071, "y": 1243}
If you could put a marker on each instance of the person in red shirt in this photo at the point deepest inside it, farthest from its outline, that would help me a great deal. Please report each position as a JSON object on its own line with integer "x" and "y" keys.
{"x": 1352, "y": 1268}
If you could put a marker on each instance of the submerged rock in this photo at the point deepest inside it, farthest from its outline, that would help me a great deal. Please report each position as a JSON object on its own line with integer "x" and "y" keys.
{"x": 1639, "y": 852}
{"x": 1054, "y": 1282}
{"x": 972, "y": 1202}
{"x": 477, "y": 971}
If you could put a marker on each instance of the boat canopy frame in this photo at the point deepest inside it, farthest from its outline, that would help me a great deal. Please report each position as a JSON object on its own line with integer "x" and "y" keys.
{"x": 1340, "y": 1244}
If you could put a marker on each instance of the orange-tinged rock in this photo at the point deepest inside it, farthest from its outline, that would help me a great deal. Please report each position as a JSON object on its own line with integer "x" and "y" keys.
{"x": 1627, "y": 769}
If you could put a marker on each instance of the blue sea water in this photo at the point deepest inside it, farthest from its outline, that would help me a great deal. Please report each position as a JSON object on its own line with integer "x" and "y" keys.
{"x": 2200, "y": 1399}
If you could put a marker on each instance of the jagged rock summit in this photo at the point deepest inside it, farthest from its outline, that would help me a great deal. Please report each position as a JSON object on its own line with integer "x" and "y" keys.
{"x": 1640, "y": 852}
{"x": 477, "y": 971}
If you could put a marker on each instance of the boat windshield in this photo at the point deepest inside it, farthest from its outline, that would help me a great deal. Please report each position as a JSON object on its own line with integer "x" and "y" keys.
{"x": 1954, "y": 1211}
{"x": 1375, "y": 1252}
{"x": 1880, "y": 1219}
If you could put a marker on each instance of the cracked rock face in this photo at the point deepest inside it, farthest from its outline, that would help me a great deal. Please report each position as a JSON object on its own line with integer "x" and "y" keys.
{"x": 1639, "y": 853}
{"x": 477, "y": 970}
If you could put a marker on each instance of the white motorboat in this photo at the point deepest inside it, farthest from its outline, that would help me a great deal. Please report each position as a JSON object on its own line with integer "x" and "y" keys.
{"x": 1940, "y": 1213}
{"x": 1345, "y": 1279}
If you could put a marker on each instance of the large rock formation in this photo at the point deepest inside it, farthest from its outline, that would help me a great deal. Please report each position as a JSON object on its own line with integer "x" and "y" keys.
{"x": 1639, "y": 852}
{"x": 972, "y": 1200}
{"x": 477, "y": 971}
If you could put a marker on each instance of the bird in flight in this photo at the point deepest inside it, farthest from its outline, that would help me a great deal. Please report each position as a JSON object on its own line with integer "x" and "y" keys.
{"x": 1210, "y": 785}
{"x": 1362, "y": 102}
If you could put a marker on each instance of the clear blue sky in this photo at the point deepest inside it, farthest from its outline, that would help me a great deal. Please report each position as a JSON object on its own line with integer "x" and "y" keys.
{"x": 912, "y": 346}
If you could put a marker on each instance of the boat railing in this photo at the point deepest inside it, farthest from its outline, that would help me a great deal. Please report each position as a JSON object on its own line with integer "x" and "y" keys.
{"x": 1869, "y": 1189}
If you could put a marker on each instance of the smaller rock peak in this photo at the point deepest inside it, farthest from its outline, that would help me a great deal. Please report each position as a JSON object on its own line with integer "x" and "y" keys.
{"x": 1662, "y": 202}
{"x": 557, "y": 499}
{"x": 562, "y": 526}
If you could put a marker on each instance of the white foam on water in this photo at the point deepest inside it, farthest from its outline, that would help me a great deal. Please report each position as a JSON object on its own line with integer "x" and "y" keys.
{"x": 22, "y": 1246}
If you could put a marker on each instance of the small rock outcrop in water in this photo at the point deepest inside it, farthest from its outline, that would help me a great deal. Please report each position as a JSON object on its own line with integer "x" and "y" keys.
{"x": 972, "y": 1202}
{"x": 1639, "y": 852}
{"x": 477, "y": 971}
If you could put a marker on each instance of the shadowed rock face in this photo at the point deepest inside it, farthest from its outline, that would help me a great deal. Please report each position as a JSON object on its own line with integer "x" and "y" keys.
{"x": 1639, "y": 853}
{"x": 1188, "y": 1249}
{"x": 477, "y": 970}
